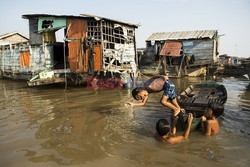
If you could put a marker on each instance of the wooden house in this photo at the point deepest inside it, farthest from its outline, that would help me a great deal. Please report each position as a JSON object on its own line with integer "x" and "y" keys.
{"x": 180, "y": 53}
{"x": 10, "y": 45}
{"x": 91, "y": 46}
{"x": 12, "y": 39}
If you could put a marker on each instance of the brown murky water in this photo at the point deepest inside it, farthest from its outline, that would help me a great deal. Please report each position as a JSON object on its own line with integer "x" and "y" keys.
{"x": 46, "y": 126}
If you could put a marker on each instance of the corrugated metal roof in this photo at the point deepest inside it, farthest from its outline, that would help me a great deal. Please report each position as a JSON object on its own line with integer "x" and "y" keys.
{"x": 103, "y": 18}
{"x": 82, "y": 16}
{"x": 163, "y": 36}
{"x": 171, "y": 48}
{"x": 28, "y": 16}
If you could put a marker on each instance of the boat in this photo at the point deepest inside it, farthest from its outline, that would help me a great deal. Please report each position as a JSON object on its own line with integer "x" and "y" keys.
{"x": 196, "y": 97}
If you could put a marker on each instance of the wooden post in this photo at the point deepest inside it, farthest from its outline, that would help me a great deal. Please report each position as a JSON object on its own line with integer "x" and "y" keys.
{"x": 136, "y": 56}
{"x": 179, "y": 72}
{"x": 64, "y": 56}
{"x": 170, "y": 61}
{"x": 185, "y": 70}
{"x": 165, "y": 64}
{"x": 176, "y": 69}
{"x": 64, "y": 61}
{"x": 80, "y": 60}
{"x": 3, "y": 61}
{"x": 102, "y": 45}
{"x": 12, "y": 57}
{"x": 159, "y": 64}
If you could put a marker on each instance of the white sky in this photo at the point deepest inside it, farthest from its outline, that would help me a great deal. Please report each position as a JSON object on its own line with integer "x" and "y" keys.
{"x": 229, "y": 17}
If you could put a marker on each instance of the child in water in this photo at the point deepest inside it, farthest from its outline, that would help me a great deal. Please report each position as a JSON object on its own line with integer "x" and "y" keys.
{"x": 209, "y": 124}
{"x": 157, "y": 84}
{"x": 163, "y": 128}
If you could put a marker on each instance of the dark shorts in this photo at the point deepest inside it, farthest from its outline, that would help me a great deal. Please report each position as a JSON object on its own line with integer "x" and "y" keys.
{"x": 170, "y": 97}
{"x": 181, "y": 122}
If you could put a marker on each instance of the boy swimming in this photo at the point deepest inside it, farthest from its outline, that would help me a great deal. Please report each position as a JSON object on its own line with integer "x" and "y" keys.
{"x": 163, "y": 128}
{"x": 209, "y": 124}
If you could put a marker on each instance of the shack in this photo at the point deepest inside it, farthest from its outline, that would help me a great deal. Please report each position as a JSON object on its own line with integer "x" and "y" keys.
{"x": 10, "y": 43}
{"x": 91, "y": 46}
{"x": 180, "y": 53}
{"x": 13, "y": 38}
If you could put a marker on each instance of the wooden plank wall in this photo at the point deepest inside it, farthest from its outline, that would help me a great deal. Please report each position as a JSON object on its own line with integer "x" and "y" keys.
{"x": 78, "y": 59}
{"x": 201, "y": 49}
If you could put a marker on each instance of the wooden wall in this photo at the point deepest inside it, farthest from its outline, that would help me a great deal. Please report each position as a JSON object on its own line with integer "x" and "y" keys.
{"x": 76, "y": 33}
{"x": 78, "y": 58}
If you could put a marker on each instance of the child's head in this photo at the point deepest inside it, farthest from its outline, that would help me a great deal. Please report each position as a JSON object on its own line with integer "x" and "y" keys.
{"x": 166, "y": 77}
{"x": 209, "y": 113}
{"x": 137, "y": 93}
{"x": 213, "y": 110}
{"x": 163, "y": 127}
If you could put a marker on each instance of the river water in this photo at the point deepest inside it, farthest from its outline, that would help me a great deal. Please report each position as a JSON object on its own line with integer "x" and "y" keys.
{"x": 47, "y": 126}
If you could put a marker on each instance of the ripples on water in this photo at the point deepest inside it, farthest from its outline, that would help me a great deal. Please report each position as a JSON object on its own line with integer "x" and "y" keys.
{"x": 47, "y": 126}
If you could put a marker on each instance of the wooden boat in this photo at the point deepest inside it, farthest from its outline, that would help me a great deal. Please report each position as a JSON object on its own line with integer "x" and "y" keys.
{"x": 196, "y": 97}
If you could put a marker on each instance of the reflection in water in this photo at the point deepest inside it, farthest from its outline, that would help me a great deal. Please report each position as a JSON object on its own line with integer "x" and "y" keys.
{"x": 47, "y": 126}
{"x": 81, "y": 135}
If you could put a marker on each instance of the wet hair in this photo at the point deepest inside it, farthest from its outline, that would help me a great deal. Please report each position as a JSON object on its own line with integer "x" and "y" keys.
{"x": 217, "y": 108}
{"x": 135, "y": 93}
{"x": 162, "y": 127}
{"x": 209, "y": 114}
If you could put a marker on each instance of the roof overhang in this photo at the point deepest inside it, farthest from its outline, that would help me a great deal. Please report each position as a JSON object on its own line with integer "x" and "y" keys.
{"x": 171, "y": 48}
{"x": 82, "y": 16}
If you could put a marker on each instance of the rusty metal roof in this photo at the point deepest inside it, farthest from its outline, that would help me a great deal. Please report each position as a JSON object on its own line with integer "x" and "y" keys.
{"x": 171, "y": 48}
{"x": 182, "y": 35}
